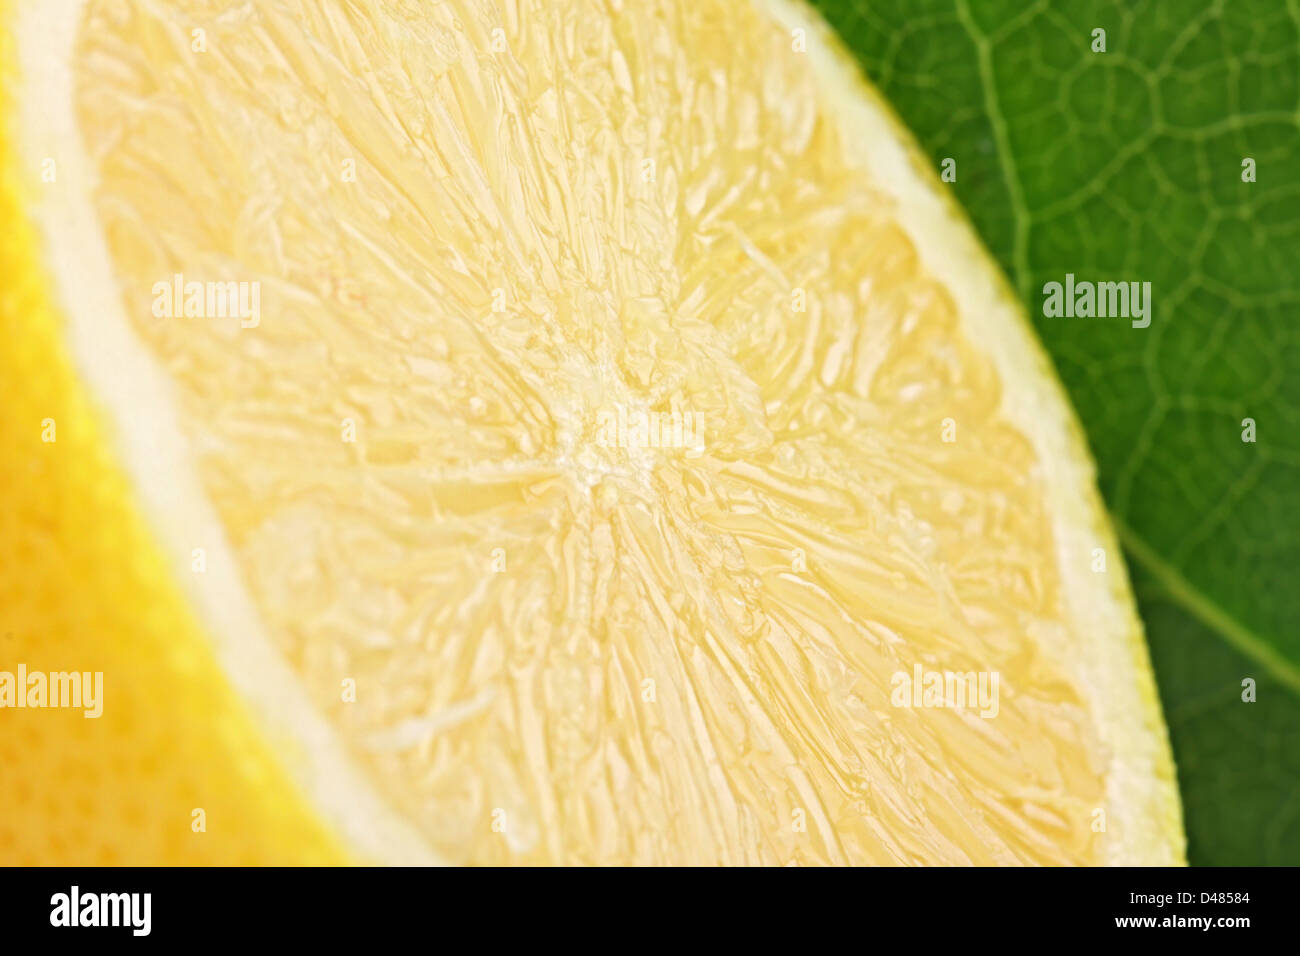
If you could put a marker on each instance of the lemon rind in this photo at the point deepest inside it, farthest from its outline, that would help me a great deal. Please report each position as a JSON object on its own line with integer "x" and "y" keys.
{"x": 129, "y": 386}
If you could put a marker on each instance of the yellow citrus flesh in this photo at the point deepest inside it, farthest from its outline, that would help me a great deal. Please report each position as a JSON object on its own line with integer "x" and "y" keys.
{"x": 600, "y": 452}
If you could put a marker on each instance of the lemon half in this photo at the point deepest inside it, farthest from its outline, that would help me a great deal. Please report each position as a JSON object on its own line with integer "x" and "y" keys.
{"x": 537, "y": 432}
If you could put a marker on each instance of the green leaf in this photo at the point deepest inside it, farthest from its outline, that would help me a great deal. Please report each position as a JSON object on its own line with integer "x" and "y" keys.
{"x": 1127, "y": 165}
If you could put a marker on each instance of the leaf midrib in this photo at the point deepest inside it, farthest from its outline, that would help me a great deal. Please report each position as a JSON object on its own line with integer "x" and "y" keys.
{"x": 1177, "y": 587}
{"x": 1199, "y": 605}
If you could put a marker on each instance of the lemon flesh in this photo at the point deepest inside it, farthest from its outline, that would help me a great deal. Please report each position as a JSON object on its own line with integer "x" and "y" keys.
{"x": 612, "y": 419}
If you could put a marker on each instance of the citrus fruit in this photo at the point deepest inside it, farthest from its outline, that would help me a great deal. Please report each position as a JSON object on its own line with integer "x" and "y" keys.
{"x": 538, "y": 432}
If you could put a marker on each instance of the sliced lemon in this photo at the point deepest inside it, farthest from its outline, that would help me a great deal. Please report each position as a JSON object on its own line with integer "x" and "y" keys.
{"x": 539, "y": 432}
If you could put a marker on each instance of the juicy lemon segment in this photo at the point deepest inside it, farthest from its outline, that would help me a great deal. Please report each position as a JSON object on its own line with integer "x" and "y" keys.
{"x": 585, "y": 447}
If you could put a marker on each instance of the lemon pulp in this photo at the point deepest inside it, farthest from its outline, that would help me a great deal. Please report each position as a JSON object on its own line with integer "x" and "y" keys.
{"x": 602, "y": 448}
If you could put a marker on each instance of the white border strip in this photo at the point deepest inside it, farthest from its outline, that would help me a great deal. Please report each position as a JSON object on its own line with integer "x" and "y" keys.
{"x": 1108, "y": 649}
